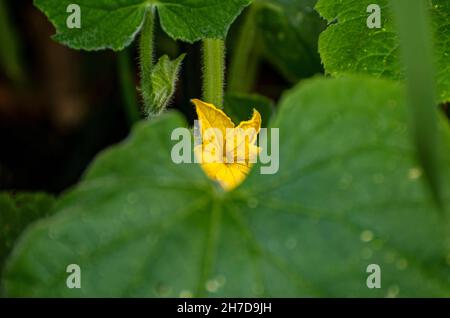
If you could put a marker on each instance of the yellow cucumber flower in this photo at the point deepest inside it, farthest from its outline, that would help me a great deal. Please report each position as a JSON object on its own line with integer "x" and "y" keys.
{"x": 227, "y": 152}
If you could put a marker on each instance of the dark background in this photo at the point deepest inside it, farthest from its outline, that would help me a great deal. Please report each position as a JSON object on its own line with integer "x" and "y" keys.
{"x": 66, "y": 105}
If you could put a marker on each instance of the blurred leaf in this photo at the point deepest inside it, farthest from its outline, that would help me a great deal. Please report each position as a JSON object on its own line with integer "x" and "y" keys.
{"x": 10, "y": 57}
{"x": 349, "y": 46}
{"x": 245, "y": 50}
{"x": 164, "y": 79}
{"x": 114, "y": 24}
{"x": 347, "y": 194}
{"x": 240, "y": 107}
{"x": 16, "y": 213}
{"x": 290, "y": 30}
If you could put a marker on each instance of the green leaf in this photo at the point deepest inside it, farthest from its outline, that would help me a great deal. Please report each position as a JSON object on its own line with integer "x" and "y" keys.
{"x": 290, "y": 32}
{"x": 114, "y": 24}
{"x": 240, "y": 107}
{"x": 17, "y": 211}
{"x": 164, "y": 78}
{"x": 348, "y": 194}
{"x": 105, "y": 24}
{"x": 349, "y": 46}
{"x": 193, "y": 20}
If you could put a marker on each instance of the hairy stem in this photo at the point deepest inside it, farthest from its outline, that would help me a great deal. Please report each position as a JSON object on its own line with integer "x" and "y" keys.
{"x": 213, "y": 71}
{"x": 146, "y": 58}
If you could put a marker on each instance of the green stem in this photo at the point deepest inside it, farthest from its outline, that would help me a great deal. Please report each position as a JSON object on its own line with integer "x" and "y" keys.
{"x": 245, "y": 57}
{"x": 414, "y": 27}
{"x": 11, "y": 60}
{"x": 128, "y": 87}
{"x": 146, "y": 58}
{"x": 213, "y": 71}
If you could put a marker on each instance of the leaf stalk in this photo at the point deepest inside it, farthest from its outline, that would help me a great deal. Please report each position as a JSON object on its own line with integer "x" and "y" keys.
{"x": 213, "y": 71}
{"x": 146, "y": 43}
{"x": 414, "y": 28}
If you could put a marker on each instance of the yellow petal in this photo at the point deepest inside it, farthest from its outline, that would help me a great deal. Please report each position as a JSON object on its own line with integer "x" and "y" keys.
{"x": 253, "y": 124}
{"x": 241, "y": 141}
{"x": 243, "y": 138}
{"x": 228, "y": 175}
{"x": 210, "y": 116}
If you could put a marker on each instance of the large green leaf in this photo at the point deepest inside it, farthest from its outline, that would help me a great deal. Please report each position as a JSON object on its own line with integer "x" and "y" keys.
{"x": 348, "y": 193}
{"x": 115, "y": 23}
{"x": 349, "y": 46}
{"x": 17, "y": 211}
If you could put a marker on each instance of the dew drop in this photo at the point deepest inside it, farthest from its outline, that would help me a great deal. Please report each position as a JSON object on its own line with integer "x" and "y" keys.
{"x": 366, "y": 236}
{"x": 393, "y": 291}
{"x": 291, "y": 243}
{"x": 414, "y": 173}
{"x": 186, "y": 294}
{"x": 212, "y": 285}
{"x": 401, "y": 264}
